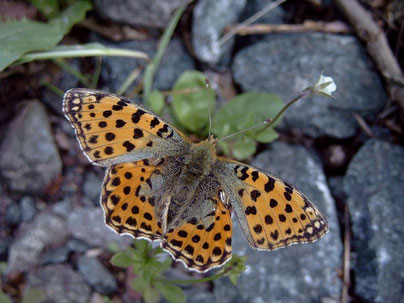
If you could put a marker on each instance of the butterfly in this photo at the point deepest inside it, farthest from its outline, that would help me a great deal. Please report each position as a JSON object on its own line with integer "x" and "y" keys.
{"x": 161, "y": 186}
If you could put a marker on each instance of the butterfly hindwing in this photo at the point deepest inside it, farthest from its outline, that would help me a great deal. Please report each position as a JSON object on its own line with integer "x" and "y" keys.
{"x": 271, "y": 212}
{"x": 199, "y": 246}
{"x": 128, "y": 201}
{"x": 114, "y": 129}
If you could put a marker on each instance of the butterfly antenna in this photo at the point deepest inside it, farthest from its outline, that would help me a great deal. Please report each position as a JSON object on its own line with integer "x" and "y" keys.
{"x": 207, "y": 97}
{"x": 245, "y": 130}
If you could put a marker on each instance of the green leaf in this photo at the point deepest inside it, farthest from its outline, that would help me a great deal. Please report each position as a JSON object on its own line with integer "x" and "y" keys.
{"x": 22, "y": 36}
{"x": 49, "y": 8}
{"x": 190, "y": 103}
{"x": 143, "y": 247}
{"x": 71, "y": 16}
{"x": 161, "y": 266}
{"x": 147, "y": 272}
{"x": 150, "y": 295}
{"x": 4, "y": 298}
{"x": 240, "y": 148}
{"x": 139, "y": 284}
{"x": 242, "y": 112}
{"x": 266, "y": 136}
{"x": 34, "y": 295}
{"x": 113, "y": 247}
{"x": 172, "y": 293}
{"x": 239, "y": 266}
{"x": 121, "y": 259}
{"x": 156, "y": 101}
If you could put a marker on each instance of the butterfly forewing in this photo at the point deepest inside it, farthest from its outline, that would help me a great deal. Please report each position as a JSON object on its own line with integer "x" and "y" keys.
{"x": 271, "y": 212}
{"x": 113, "y": 129}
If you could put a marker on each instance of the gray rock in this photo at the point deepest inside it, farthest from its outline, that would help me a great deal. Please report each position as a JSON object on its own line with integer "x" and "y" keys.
{"x": 150, "y": 13}
{"x": 225, "y": 291}
{"x": 55, "y": 255}
{"x": 299, "y": 273}
{"x": 60, "y": 284}
{"x": 374, "y": 187}
{"x": 87, "y": 224}
{"x": 77, "y": 246}
{"x": 199, "y": 295}
{"x": 27, "y": 208}
{"x": 47, "y": 229}
{"x": 336, "y": 185}
{"x": 175, "y": 61}
{"x": 92, "y": 187}
{"x": 287, "y": 63}
{"x": 65, "y": 82}
{"x": 97, "y": 275}
{"x": 62, "y": 208}
{"x": 5, "y": 243}
{"x": 13, "y": 214}
{"x": 29, "y": 158}
{"x": 209, "y": 20}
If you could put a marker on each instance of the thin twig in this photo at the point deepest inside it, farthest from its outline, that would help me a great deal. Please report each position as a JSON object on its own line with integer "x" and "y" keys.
{"x": 364, "y": 126}
{"x": 347, "y": 257}
{"x": 336, "y": 27}
{"x": 377, "y": 45}
{"x": 249, "y": 21}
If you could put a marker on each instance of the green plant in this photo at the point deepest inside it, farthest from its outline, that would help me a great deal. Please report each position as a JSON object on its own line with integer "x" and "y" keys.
{"x": 25, "y": 40}
{"x": 149, "y": 265}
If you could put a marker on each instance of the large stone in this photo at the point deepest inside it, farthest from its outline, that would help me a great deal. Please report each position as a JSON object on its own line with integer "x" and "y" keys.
{"x": 92, "y": 187}
{"x": 60, "y": 284}
{"x": 299, "y": 273}
{"x": 97, "y": 275}
{"x": 374, "y": 188}
{"x": 115, "y": 70}
{"x": 209, "y": 21}
{"x": 150, "y": 13}
{"x": 27, "y": 208}
{"x": 29, "y": 159}
{"x": 45, "y": 230}
{"x": 287, "y": 63}
{"x": 87, "y": 224}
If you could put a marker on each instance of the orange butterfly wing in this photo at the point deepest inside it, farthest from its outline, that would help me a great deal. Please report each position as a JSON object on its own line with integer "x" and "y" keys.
{"x": 128, "y": 199}
{"x": 202, "y": 247}
{"x": 127, "y": 204}
{"x": 272, "y": 213}
{"x": 113, "y": 129}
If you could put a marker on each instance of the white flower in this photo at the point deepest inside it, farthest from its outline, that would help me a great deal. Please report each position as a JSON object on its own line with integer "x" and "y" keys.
{"x": 325, "y": 86}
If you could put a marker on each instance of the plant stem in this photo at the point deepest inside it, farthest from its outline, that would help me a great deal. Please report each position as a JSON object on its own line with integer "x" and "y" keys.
{"x": 78, "y": 51}
{"x": 129, "y": 80}
{"x": 56, "y": 90}
{"x": 196, "y": 281}
{"x": 73, "y": 71}
{"x": 304, "y": 94}
{"x": 165, "y": 39}
{"x": 97, "y": 72}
